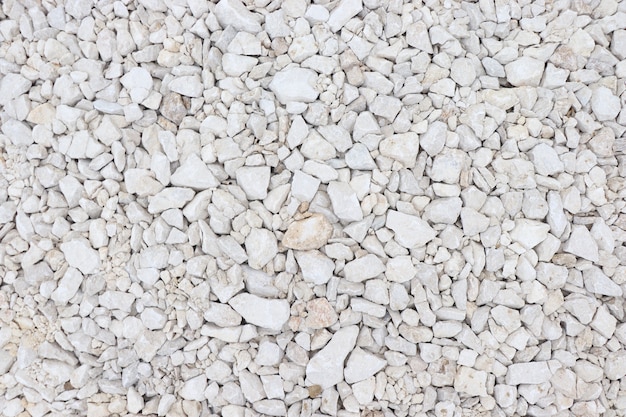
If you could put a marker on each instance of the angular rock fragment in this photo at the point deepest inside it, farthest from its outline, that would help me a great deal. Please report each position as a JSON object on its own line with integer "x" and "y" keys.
{"x": 410, "y": 231}
{"x": 262, "y": 312}
{"x": 326, "y": 367}
{"x": 310, "y": 233}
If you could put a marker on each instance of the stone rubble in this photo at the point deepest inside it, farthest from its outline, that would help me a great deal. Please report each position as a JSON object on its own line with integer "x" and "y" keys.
{"x": 352, "y": 208}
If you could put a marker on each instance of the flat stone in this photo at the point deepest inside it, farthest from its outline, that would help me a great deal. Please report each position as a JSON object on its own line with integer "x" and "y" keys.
{"x": 193, "y": 389}
{"x": 471, "y": 381}
{"x": 194, "y": 173}
{"x": 188, "y": 85}
{"x": 168, "y": 198}
{"x": 434, "y": 139}
{"x": 141, "y": 182}
{"x": 12, "y": 86}
{"x": 138, "y": 82}
{"x": 546, "y": 160}
{"x": 528, "y": 373}
{"x": 597, "y": 282}
{"x": 262, "y": 312}
{"x": 604, "y": 104}
{"x": 529, "y": 233}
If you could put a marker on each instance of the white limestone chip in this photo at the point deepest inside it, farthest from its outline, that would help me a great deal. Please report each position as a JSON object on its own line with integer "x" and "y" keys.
{"x": 294, "y": 84}
{"x": 138, "y": 82}
{"x": 315, "y": 266}
{"x": 434, "y": 139}
{"x": 168, "y": 198}
{"x": 326, "y": 367}
{"x": 597, "y": 282}
{"x": 234, "y": 13}
{"x": 605, "y": 104}
{"x": 12, "y": 86}
{"x": 345, "y": 202}
{"x": 401, "y": 147}
{"x": 320, "y": 314}
{"x": 188, "y": 85}
{"x": 364, "y": 268}
{"x": 615, "y": 365}
{"x": 193, "y": 390}
{"x": 261, "y": 247}
{"x": 194, "y": 173}
{"x": 254, "y": 181}
{"x": 524, "y": 71}
{"x": 310, "y": 233}
{"x": 471, "y": 381}
{"x": 581, "y": 243}
{"x": 410, "y": 231}
{"x": 80, "y": 255}
{"x": 262, "y": 312}
{"x": 529, "y": 233}
{"x": 68, "y": 286}
{"x": 362, "y": 365}
{"x": 343, "y": 12}
{"x": 546, "y": 160}
{"x": 528, "y": 373}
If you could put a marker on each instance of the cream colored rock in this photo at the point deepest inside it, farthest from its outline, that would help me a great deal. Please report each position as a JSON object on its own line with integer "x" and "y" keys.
{"x": 310, "y": 233}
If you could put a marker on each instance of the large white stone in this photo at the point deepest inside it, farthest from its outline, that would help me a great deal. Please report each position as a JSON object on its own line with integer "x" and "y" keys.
{"x": 315, "y": 266}
{"x": 294, "y": 84}
{"x": 361, "y": 365}
{"x": 262, "y": 312}
{"x": 402, "y": 147}
{"x": 80, "y": 255}
{"x": 138, "y": 82}
{"x": 345, "y": 10}
{"x": 234, "y": 13}
{"x": 471, "y": 381}
{"x": 364, "y": 268}
{"x": 546, "y": 160}
{"x": 345, "y": 203}
{"x": 528, "y": 373}
{"x": 68, "y": 286}
{"x": 310, "y": 233}
{"x": 194, "y": 173}
{"x": 597, "y": 282}
{"x": 261, "y": 247}
{"x": 605, "y": 104}
{"x": 254, "y": 181}
{"x": 529, "y": 233}
{"x": 524, "y": 71}
{"x": 582, "y": 244}
{"x": 326, "y": 367}
{"x": 410, "y": 231}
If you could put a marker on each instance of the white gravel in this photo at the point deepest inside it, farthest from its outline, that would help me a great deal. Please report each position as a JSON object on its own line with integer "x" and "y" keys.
{"x": 352, "y": 208}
